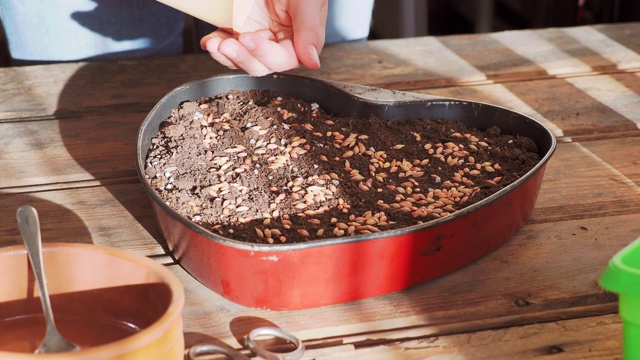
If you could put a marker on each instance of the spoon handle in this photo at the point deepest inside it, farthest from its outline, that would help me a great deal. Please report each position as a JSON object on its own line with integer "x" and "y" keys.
{"x": 29, "y": 225}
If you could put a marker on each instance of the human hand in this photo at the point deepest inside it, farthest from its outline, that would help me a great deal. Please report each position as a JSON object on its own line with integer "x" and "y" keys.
{"x": 291, "y": 35}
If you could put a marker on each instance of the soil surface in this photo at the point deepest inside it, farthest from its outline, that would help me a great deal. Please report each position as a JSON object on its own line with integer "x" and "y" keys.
{"x": 262, "y": 167}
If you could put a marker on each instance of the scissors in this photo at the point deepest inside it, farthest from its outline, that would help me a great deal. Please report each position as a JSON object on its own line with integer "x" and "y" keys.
{"x": 211, "y": 349}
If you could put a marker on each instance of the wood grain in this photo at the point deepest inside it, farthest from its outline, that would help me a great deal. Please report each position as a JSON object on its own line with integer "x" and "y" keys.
{"x": 67, "y": 147}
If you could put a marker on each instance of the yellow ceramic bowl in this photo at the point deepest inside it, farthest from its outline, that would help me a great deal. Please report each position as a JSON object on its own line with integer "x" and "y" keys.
{"x": 114, "y": 304}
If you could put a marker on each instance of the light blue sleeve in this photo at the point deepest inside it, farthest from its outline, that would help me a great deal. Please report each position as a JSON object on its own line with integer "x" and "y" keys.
{"x": 68, "y": 30}
{"x": 348, "y": 20}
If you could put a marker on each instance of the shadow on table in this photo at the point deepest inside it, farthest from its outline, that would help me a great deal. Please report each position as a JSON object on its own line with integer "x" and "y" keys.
{"x": 99, "y": 114}
{"x": 240, "y": 327}
{"x": 57, "y": 223}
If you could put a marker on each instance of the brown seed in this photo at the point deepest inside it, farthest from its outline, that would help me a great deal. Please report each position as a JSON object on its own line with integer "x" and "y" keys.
{"x": 303, "y": 232}
{"x": 314, "y": 221}
{"x": 259, "y": 232}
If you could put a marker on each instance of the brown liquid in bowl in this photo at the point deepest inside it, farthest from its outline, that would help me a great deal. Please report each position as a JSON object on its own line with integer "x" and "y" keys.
{"x": 88, "y": 318}
{"x": 25, "y": 334}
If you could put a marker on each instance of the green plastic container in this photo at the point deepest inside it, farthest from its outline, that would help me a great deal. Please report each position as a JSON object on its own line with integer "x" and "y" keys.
{"x": 622, "y": 276}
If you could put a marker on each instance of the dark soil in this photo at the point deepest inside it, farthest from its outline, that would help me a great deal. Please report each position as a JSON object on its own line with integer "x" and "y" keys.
{"x": 261, "y": 167}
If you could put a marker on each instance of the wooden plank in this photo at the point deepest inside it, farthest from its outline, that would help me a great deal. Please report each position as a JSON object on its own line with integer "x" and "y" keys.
{"x": 63, "y": 90}
{"x": 556, "y": 265}
{"x": 68, "y": 150}
{"x": 42, "y": 91}
{"x": 574, "y": 171}
{"x": 620, "y": 156}
{"x": 116, "y": 215}
{"x": 427, "y": 62}
{"x": 569, "y": 107}
{"x": 590, "y": 338}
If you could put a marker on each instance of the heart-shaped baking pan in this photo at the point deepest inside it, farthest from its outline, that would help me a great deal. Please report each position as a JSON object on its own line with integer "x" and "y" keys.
{"x": 335, "y": 270}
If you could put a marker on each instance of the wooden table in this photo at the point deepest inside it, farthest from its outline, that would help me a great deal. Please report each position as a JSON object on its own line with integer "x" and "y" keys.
{"x": 67, "y": 147}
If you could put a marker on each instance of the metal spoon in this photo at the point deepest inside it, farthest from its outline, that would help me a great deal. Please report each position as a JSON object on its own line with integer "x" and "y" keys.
{"x": 30, "y": 229}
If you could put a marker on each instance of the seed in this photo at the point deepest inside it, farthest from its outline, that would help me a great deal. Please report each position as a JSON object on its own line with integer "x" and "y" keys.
{"x": 259, "y": 232}
{"x": 399, "y": 146}
{"x": 303, "y": 232}
{"x": 347, "y": 154}
{"x": 314, "y": 221}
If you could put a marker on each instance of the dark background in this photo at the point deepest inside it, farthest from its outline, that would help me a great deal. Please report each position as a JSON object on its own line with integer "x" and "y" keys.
{"x": 406, "y": 18}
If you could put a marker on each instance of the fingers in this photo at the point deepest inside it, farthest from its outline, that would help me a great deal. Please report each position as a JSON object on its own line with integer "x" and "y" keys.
{"x": 275, "y": 49}
{"x": 233, "y": 50}
{"x": 212, "y": 42}
{"x": 275, "y": 55}
{"x": 309, "y": 19}
{"x": 251, "y": 52}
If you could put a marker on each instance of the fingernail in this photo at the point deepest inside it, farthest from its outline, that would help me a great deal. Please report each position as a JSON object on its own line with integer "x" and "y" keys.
{"x": 211, "y": 44}
{"x": 313, "y": 53}
{"x": 203, "y": 42}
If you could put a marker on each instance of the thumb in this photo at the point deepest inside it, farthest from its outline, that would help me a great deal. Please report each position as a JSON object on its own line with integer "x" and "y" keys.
{"x": 308, "y": 18}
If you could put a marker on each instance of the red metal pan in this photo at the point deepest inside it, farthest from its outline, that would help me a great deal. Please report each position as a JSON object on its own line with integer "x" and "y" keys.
{"x": 337, "y": 270}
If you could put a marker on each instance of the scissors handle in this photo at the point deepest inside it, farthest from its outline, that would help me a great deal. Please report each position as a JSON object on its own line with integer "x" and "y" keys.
{"x": 210, "y": 349}
{"x": 279, "y": 333}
